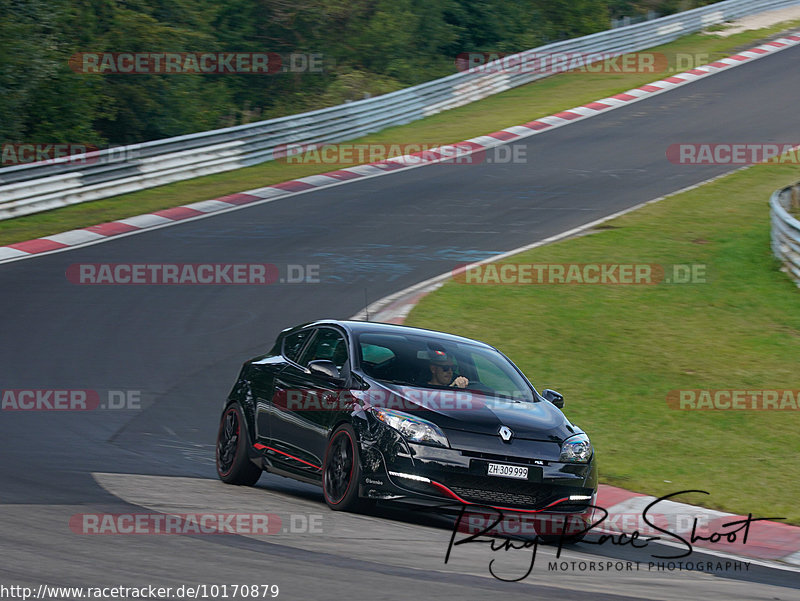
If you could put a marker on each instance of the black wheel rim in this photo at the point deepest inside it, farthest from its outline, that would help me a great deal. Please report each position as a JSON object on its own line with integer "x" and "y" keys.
{"x": 339, "y": 468}
{"x": 227, "y": 442}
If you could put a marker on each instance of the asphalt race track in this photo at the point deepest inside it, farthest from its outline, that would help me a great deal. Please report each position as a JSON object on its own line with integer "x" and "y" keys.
{"x": 181, "y": 346}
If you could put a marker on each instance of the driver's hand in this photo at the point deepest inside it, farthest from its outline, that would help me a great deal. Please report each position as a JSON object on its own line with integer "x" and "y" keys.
{"x": 460, "y": 382}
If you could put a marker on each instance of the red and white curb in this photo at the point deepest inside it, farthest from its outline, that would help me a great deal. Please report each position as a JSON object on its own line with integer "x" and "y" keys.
{"x": 105, "y": 231}
{"x": 766, "y": 540}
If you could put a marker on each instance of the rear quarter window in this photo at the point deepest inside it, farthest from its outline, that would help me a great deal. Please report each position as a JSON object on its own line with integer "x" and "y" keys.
{"x": 373, "y": 353}
{"x": 293, "y": 344}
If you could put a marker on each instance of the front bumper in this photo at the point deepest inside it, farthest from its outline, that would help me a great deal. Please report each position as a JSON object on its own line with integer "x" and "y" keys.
{"x": 394, "y": 469}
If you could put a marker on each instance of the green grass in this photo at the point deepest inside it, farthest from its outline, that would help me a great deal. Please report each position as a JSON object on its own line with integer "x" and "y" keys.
{"x": 512, "y": 107}
{"x": 616, "y": 351}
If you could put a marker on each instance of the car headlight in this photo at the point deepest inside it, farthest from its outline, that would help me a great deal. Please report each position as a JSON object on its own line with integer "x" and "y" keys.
{"x": 412, "y": 428}
{"x": 576, "y": 449}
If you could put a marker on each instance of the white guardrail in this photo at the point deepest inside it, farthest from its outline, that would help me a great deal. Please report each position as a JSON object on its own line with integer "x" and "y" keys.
{"x": 786, "y": 229}
{"x": 36, "y": 187}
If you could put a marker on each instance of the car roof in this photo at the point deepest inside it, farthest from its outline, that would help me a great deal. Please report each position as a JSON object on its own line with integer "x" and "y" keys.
{"x": 373, "y": 327}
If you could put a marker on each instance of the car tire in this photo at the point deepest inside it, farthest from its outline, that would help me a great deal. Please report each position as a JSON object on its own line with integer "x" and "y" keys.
{"x": 233, "y": 463}
{"x": 341, "y": 471}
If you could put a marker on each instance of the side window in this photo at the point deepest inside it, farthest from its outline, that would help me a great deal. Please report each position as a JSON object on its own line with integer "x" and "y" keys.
{"x": 293, "y": 344}
{"x": 328, "y": 344}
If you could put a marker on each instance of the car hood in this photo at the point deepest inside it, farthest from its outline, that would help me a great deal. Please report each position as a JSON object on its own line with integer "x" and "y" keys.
{"x": 457, "y": 409}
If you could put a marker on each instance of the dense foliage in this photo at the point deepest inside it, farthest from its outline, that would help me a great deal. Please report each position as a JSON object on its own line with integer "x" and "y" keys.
{"x": 366, "y": 47}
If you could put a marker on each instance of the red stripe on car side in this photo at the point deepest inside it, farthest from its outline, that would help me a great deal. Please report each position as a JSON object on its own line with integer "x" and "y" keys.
{"x": 260, "y": 447}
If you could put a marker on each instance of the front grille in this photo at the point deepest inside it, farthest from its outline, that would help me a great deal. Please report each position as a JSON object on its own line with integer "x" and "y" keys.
{"x": 493, "y": 497}
{"x": 497, "y": 484}
{"x": 509, "y": 492}
{"x": 505, "y": 458}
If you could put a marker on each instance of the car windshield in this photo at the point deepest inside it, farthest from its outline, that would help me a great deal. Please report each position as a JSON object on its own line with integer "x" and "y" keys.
{"x": 431, "y": 362}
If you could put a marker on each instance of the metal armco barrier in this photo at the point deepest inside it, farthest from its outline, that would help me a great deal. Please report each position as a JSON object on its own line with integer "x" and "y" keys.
{"x": 786, "y": 229}
{"x": 36, "y": 187}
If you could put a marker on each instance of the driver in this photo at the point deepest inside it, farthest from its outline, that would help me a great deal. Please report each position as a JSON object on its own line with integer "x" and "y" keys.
{"x": 442, "y": 369}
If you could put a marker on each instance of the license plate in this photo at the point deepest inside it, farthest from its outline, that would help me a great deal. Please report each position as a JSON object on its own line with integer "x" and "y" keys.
{"x": 508, "y": 471}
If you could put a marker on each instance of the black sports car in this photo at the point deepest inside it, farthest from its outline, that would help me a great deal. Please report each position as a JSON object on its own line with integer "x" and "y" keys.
{"x": 373, "y": 411}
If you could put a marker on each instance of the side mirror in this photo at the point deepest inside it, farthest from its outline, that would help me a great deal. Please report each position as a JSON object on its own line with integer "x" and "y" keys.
{"x": 554, "y": 397}
{"x": 325, "y": 368}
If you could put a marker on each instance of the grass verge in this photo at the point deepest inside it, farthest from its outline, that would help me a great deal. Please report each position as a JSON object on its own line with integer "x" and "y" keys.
{"x": 512, "y": 107}
{"x": 616, "y": 351}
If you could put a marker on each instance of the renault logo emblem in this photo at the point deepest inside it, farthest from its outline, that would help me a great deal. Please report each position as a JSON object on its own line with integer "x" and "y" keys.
{"x": 505, "y": 433}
